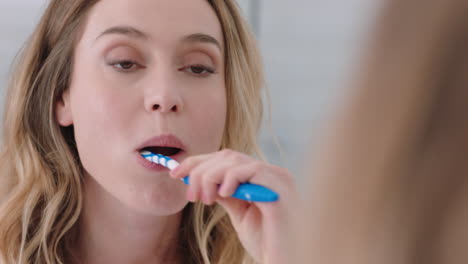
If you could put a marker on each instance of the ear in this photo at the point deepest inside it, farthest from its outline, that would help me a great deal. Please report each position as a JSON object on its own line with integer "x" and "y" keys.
{"x": 63, "y": 110}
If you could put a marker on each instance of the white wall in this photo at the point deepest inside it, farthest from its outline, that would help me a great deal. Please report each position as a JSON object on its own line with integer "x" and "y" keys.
{"x": 17, "y": 19}
{"x": 309, "y": 47}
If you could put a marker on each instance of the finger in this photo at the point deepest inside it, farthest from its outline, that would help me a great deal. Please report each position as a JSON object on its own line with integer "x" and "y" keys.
{"x": 280, "y": 181}
{"x": 273, "y": 177}
{"x": 191, "y": 195}
{"x": 234, "y": 177}
{"x": 207, "y": 172}
{"x": 187, "y": 165}
{"x": 196, "y": 173}
{"x": 207, "y": 177}
{"x": 212, "y": 172}
{"x": 234, "y": 207}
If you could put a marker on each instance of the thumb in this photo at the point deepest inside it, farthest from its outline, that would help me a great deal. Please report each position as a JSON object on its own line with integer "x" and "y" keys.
{"x": 234, "y": 207}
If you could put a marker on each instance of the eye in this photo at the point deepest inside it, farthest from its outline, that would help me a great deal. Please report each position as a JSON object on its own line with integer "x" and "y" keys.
{"x": 125, "y": 65}
{"x": 199, "y": 70}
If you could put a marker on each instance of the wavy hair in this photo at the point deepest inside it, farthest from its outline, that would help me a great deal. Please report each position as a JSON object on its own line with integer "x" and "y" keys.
{"x": 40, "y": 172}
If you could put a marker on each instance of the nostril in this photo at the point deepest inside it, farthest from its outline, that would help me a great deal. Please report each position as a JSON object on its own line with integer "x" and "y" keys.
{"x": 158, "y": 107}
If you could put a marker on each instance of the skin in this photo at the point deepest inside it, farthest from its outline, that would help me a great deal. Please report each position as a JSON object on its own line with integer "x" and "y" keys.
{"x": 137, "y": 75}
{"x": 266, "y": 230}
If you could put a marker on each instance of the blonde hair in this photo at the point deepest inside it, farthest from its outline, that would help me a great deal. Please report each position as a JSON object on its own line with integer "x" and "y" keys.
{"x": 41, "y": 174}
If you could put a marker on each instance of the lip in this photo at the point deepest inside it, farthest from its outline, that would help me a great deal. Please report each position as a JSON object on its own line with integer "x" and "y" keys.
{"x": 160, "y": 141}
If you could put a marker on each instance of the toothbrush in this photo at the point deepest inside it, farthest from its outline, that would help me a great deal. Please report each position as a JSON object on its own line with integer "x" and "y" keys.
{"x": 245, "y": 191}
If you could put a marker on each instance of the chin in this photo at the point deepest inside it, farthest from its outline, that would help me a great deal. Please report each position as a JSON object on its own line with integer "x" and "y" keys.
{"x": 159, "y": 202}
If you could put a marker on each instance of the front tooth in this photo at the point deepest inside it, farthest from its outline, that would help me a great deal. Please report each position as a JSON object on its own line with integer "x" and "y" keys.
{"x": 145, "y": 152}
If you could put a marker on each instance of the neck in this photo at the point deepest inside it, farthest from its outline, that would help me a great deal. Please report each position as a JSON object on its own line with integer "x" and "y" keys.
{"x": 110, "y": 232}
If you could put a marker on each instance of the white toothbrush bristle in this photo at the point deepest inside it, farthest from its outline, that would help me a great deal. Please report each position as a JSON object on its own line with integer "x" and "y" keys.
{"x": 160, "y": 159}
{"x": 155, "y": 159}
{"x": 172, "y": 164}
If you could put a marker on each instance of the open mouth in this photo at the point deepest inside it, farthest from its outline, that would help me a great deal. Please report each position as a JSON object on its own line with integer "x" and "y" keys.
{"x": 166, "y": 151}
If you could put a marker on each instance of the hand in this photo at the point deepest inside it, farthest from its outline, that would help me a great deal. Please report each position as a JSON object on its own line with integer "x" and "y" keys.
{"x": 265, "y": 229}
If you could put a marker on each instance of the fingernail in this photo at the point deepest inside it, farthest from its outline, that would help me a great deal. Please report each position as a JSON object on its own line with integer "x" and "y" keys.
{"x": 173, "y": 172}
{"x": 222, "y": 192}
{"x": 206, "y": 199}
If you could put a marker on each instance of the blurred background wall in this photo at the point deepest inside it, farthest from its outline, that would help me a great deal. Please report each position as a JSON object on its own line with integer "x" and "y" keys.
{"x": 308, "y": 48}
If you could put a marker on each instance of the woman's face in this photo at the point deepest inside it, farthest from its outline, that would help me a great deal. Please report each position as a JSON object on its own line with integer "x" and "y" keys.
{"x": 144, "y": 69}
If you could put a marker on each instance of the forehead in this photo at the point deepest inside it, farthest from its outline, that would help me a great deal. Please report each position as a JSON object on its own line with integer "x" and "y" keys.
{"x": 164, "y": 21}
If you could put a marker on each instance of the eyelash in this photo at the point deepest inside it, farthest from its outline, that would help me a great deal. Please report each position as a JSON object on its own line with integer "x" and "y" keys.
{"x": 207, "y": 70}
{"x": 121, "y": 69}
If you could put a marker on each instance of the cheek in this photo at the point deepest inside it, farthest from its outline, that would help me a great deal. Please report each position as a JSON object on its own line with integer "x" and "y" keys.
{"x": 208, "y": 120}
{"x": 97, "y": 109}
{"x": 99, "y": 102}
{"x": 100, "y": 105}
{"x": 102, "y": 117}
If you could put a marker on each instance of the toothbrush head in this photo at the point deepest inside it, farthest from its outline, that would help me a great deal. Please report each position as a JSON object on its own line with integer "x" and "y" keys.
{"x": 159, "y": 159}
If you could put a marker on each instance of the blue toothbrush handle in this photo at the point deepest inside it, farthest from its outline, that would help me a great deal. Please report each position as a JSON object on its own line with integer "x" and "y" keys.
{"x": 245, "y": 191}
{"x": 251, "y": 192}
{"x": 255, "y": 193}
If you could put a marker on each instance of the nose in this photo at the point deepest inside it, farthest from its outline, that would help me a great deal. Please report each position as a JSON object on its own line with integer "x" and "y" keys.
{"x": 164, "y": 98}
{"x": 164, "y": 103}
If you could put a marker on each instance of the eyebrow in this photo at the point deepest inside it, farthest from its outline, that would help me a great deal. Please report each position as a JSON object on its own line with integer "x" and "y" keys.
{"x": 124, "y": 30}
{"x": 133, "y": 32}
{"x": 202, "y": 38}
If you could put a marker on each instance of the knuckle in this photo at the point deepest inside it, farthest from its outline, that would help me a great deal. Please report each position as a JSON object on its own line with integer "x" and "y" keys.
{"x": 196, "y": 174}
{"x": 237, "y": 158}
{"x": 231, "y": 175}
{"x": 209, "y": 179}
{"x": 212, "y": 177}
